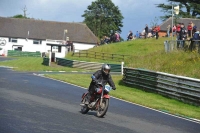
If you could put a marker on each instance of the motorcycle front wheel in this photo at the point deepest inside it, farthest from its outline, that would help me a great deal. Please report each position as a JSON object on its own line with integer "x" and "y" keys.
{"x": 84, "y": 109}
{"x": 103, "y": 108}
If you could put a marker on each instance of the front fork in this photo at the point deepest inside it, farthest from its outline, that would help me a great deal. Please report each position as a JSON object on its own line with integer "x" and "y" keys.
{"x": 101, "y": 97}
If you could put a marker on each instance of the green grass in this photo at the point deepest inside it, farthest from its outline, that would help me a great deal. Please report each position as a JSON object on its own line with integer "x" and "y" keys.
{"x": 136, "y": 96}
{"x": 150, "y": 54}
{"x": 34, "y": 64}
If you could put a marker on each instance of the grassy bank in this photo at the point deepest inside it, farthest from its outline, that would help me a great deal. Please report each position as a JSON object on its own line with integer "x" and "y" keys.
{"x": 150, "y": 54}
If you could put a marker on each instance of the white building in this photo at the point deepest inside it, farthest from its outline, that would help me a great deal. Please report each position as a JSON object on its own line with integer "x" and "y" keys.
{"x": 43, "y": 36}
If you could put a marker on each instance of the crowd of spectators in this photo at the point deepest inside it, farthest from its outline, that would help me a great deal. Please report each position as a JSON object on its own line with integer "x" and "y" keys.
{"x": 179, "y": 30}
{"x": 115, "y": 37}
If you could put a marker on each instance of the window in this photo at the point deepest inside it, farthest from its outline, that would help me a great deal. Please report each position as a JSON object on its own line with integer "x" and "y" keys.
{"x": 37, "y": 41}
{"x": 13, "y": 40}
{"x": 59, "y": 49}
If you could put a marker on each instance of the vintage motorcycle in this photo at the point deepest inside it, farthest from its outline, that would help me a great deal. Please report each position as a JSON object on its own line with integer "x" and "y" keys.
{"x": 99, "y": 100}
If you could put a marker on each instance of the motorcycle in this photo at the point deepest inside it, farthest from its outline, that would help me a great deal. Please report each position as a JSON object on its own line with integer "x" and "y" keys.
{"x": 99, "y": 100}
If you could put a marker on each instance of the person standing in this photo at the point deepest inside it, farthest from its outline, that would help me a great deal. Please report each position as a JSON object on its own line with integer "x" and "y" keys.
{"x": 137, "y": 35}
{"x": 189, "y": 28}
{"x": 174, "y": 30}
{"x": 146, "y": 31}
{"x": 168, "y": 30}
{"x": 157, "y": 29}
{"x": 183, "y": 35}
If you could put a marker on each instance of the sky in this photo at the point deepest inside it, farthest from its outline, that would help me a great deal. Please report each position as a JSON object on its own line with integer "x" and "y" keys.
{"x": 136, "y": 13}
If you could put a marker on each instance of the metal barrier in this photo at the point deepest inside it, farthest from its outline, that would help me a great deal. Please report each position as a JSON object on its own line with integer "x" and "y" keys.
{"x": 23, "y": 54}
{"x": 86, "y": 65}
{"x": 187, "y": 45}
{"x": 177, "y": 87}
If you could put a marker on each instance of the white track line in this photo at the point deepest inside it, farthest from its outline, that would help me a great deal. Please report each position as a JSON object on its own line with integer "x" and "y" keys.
{"x": 189, "y": 119}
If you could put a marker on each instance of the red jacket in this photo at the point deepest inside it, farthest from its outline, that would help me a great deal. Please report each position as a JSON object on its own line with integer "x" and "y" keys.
{"x": 189, "y": 27}
{"x": 178, "y": 28}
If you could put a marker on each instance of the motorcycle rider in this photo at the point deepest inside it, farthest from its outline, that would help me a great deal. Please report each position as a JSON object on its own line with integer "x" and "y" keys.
{"x": 103, "y": 76}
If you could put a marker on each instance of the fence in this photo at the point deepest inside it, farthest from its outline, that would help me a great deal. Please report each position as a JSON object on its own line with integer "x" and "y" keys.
{"x": 100, "y": 55}
{"x": 187, "y": 45}
{"x": 86, "y": 65}
{"x": 177, "y": 87}
{"x": 21, "y": 53}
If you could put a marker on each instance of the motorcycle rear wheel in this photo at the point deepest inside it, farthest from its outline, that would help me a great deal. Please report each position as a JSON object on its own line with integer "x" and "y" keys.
{"x": 103, "y": 109}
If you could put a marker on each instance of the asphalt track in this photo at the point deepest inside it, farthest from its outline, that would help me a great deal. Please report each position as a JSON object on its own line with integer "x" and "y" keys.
{"x": 35, "y": 104}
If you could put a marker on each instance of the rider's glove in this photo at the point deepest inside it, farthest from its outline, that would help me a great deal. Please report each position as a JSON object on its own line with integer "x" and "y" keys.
{"x": 113, "y": 88}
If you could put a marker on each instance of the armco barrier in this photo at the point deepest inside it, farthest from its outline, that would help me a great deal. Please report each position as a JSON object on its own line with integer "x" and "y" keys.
{"x": 23, "y": 54}
{"x": 86, "y": 65}
{"x": 178, "y": 87}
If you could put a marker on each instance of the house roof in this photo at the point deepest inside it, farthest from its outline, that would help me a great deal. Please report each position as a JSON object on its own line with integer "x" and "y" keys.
{"x": 186, "y": 21}
{"x": 39, "y": 29}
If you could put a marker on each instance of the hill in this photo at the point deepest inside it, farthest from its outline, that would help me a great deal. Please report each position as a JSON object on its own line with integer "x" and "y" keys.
{"x": 150, "y": 54}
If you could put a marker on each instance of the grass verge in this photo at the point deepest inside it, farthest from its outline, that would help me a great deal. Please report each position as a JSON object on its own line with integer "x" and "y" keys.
{"x": 34, "y": 64}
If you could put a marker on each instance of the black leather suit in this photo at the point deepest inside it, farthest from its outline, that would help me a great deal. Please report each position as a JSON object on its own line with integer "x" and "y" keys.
{"x": 100, "y": 76}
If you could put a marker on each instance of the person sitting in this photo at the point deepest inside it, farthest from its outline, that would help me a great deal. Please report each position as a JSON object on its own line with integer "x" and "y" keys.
{"x": 102, "y": 75}
{"x": 130, "y": 36}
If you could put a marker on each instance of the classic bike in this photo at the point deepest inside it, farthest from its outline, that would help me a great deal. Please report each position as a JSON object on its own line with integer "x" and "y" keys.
{"x": 99, "y": 100}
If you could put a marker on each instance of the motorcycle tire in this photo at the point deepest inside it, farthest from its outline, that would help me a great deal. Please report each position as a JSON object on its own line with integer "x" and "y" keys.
{"x": 101, "y": 112}
{"x": 84, "y": 109}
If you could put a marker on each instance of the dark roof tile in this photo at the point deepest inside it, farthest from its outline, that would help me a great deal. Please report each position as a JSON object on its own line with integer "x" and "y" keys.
{"x": 39, "y": 29}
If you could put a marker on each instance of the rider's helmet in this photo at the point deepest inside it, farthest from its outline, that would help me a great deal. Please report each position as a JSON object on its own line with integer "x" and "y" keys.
{"x": 106, "y": 69}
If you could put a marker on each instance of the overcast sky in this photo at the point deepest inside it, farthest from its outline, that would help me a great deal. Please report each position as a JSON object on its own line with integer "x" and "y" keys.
{"x": 136, "y": 13}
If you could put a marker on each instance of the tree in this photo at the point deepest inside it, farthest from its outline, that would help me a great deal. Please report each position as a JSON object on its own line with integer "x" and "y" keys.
{"x": 20, "y": 15}
{"x": 188, "y": 8}
{"x": 103, "y": 18}
{"x": 154, "y": 22}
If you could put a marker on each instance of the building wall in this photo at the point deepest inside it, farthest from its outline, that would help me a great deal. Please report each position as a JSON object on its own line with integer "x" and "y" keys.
{"x": 162, "y": 34}
{"x": 82, "y": 46}
{"x": 27, "y": 45}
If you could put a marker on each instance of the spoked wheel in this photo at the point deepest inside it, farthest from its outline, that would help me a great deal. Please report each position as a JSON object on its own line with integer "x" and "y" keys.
{"x": 103, "y": 108}
{"x": 84, "y": 109}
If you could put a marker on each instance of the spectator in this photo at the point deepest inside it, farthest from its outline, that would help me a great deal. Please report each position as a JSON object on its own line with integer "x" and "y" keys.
{"x": 168, "y": 30}
{"x": 174, "y": 30}
{"x": 157, "y": 29}
{"x": 137, "y": 35}
{"x": 182, "y": 36}
{"x": 195, "y": 40}
{"x": 112, "y": 38}
{"x": 194, "y": 28}
{"x": 130, "y": 35}
{"x": 117, "y": 37}
{"x": 146, "y": 31}
{"x": 178, "y": 29}
{"x": 106, "y": 39}
{"x": 189, "y": 29}
{"x": 192, "y": 24}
